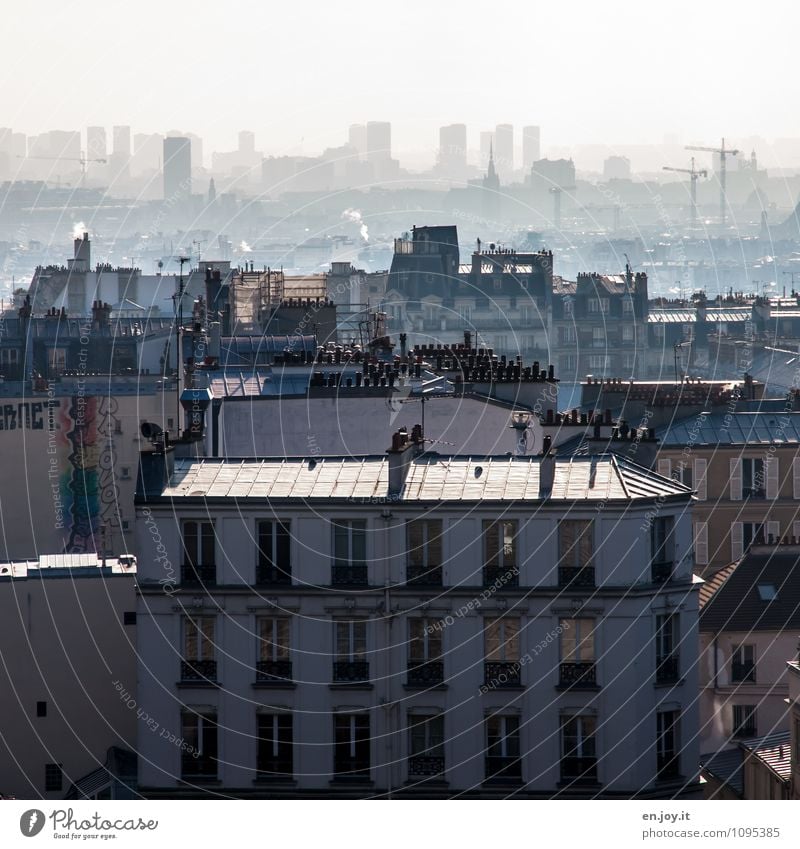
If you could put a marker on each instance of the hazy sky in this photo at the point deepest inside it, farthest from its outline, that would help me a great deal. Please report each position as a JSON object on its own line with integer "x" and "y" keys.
{"x": 299, "y": 72}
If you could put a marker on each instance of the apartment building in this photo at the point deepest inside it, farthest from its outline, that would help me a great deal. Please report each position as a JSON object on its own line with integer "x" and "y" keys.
{"x": 745, "y": 469}
{"x": 415, "y": 624}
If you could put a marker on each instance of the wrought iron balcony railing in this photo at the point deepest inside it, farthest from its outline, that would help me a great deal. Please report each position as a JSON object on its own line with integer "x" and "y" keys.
{"x": 349, "y": 575}
{"x": 274, "y": 670}
{"x": 425, "y": 766}
{"x": 346, "y": 671}
{"x": 502, "y": 576}
{"x": 267, "y": 573}
{"x": 424, "y": 576}
{"x": 498, "y": 674}
{"x": 425, "y": 673}
{"x": 199, "y": 670}
{"x": 203, "y": 574}
{"x": 576, "y": 576}
{"x": 576, "y": 770}
{"x": 578, "y": 675}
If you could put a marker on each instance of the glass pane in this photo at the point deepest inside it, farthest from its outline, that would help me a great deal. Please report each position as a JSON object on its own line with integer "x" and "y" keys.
{"x": 511, "y": 647}
{"x": 491, "y": 535}
{"x": 492, "y": 633}
{"x": 207, "y": 543}
{"x": 415, "y": 543}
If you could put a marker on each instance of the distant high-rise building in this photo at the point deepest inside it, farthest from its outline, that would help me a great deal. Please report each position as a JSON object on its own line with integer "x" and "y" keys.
{"x": 504, "y": 149}
{"x": 452, "y": 160}
{"x": 486, "y": 143}
{"x": 379, "y": 141}
{"x": 247, "y": 142}
{"x": 147, "y": 151}
{"x": 547, "y": 174}
{"x": 96, "y": 145}
{"x": 177, "y": 167}
{"x": 357, "y": 138}
{"x": 531, "y": 147}
{"x": 617, "y": 168}
{"x": 121, "y": 153}
{"x": 197, "y": 150}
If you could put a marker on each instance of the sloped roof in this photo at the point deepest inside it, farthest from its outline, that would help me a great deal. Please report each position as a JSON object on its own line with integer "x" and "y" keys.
{"x": 726, "y": 766}
{"x": 430, "y": 477}
{"x": 714, "y": 581}
{"x": 775, "y": 750}
{"x": 723, "y": 427}
{"x": 739, "y": 603}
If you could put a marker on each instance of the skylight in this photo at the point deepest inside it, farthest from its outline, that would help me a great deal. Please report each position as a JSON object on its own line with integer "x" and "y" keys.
{"x": 767, "y": 592}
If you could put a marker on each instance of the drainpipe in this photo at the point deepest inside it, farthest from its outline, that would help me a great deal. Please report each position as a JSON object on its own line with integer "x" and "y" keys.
{"x": 388, "y": 706}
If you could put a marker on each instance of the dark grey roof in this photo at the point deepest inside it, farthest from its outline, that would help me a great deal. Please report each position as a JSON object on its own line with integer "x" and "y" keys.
{"x": 723, "y": 427}
{"x": 737, "y": 605}
{"x": 726, "y": 766}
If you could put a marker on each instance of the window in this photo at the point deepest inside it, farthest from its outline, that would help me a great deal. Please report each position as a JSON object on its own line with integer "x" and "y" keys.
{"x": 351, "y": 745}
{"x": 425, "y": 745}
{"x": 628, "y": 360}
{"x": 129, "y": 617}
{"x": 274, "y": 547}
{"x": 53, "y": 778}
{"x": 662, "y": 548}
{"x": 351, "y": 662}
{"x": 500, "y": 554}
{"x": 744, "y": 721}
{"x": 668, "y": 759}
{"x": 274, "y": 752}
{"x": 598, "y": 361}
{"x": 627, "y": 333}
{"x": 41, "y": 709}
{"x": 578, "y": 750}
{"x": 753, "y": 533}
{"x": 199, "y": 732}
{"x": 425, "y": 667}
{"x": 274, "y": 658}
{"x": 627, "y": 306}
{"x": 465, "y": 313}
{"x": 501, "y": 650}
{"x": 198, "y": 662}
{"x": 567, "y": 362}
{"x": 575, "y": 553}
{"x": 199, "y": 553}
{"x": 424, "y": 545}
{"x": 767, "y": 592}
{"x": 598, "y": 337}
{"x": 667, "y": 658}
{"x": 501, "y": 343}
{"x": 578, "y": 667}
{"x": 658, "y": 332}
{"x": 9, "y": 357}
{"x": 56, "y": 360}
{"x": 598, "y": 305}
{"x": 125, "y": 473}
{"x": 502, "y": 748}
{"x": 569, "y": 307}
{"x": 682, "y": 472}
{"x": 743, "y": 664}
{"x": 349, "y": 552}
{"x": 753, "y": 479}
{"x": 568, "y": 334}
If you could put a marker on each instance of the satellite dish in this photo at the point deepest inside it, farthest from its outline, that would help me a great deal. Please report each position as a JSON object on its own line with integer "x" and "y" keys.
{"x": 150, "y": 430}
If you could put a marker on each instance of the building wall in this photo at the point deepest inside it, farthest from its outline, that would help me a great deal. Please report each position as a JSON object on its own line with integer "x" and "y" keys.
{"x": 624, "y": 706}
{"x": 65, "y": 644}
{"x": 718, "y": 693}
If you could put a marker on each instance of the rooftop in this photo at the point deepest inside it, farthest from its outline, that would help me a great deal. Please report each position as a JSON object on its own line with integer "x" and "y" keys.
{"x": 430, "y": 477}
{"x": 762, "y": 593}
{"x": 722, "y": 427}
{"x": 68, "y": 566}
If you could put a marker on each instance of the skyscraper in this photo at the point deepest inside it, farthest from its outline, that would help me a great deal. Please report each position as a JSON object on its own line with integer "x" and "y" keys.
{"x": 379, "y": 141}
{"x": 357, "y": 138}
{"x": 121, "y": 154}
{"x": 531, "y": 147}
{"x": 452, "y": 159}
{"x": 96, "y": 146}
{"x": 504, "y": 149}
{"x": 177, "y": 167}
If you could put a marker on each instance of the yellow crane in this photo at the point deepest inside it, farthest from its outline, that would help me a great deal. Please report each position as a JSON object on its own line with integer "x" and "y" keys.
{"x": 723, "y": 153}
{"x": 693, "y": 175}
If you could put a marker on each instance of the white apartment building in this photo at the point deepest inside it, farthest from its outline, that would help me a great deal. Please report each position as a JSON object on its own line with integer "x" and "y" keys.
{"x": 414, "y": 624}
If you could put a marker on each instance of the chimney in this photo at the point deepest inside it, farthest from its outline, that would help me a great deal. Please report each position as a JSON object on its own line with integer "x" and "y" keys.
{"x": 155, "y": 470}
{"x": 547, "y": 472}
{"x": 402, "y": 452}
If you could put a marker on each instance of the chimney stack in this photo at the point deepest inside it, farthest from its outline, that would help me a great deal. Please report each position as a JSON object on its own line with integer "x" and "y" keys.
{"x": 401, "y": 453}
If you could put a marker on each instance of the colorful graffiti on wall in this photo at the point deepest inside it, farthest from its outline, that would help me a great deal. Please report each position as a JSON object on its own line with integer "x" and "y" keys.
{"x": 84, "y": 449}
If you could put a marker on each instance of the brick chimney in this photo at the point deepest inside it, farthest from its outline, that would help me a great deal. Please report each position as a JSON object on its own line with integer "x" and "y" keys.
{"x": 403, "y": 450}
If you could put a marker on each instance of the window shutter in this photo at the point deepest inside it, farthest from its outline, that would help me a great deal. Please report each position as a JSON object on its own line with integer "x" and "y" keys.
{"x": 772, "y": 477}
{"x": 700, "y": 478}
{"x": 796, "y": 477}
{"x": 774, "y": 531}
{"x": 701, "y": 543}
{"x": 736, "y": 481}
{"x": 665, "y": 468}
{"x": 737, "y": 540}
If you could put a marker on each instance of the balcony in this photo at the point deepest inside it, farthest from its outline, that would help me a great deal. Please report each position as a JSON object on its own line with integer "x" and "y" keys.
{"x": 499, "y": 674}
{"x": 499, "y": 768}
{"x": 500, "y": 576}
{"x": 278, "y": 671}
{"x": 661, "y": 572}
{"x": 577, "y": 675}
{"x": 425, "y": 766}
{"x": 743, "y": 673}
{"x": 425, "y": 673}
{"x": 349, "y": 575}
{"x": 267, "y": 573}
{"x": 424, "y": 576}
{"x": 350, "y": 671}
{"x": 202, "y": 575}
{"x": 579, "y": 770}
{"x": 576, "y": 577}
{"x": 667, "y": 669}
{"x": 199, "y": 670}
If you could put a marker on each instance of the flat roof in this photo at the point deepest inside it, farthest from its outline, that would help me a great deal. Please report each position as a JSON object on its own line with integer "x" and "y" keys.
{"x": 430, "y": 477}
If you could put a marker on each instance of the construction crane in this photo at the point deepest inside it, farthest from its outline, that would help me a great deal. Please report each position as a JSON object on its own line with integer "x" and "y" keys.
{"x": 723, "y": 153}
{"x": 693, "y": 175}
{"x": 82, "y": 159}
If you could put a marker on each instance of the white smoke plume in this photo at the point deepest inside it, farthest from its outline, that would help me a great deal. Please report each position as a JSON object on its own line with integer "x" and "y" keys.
{"x": 354, "y": 215}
